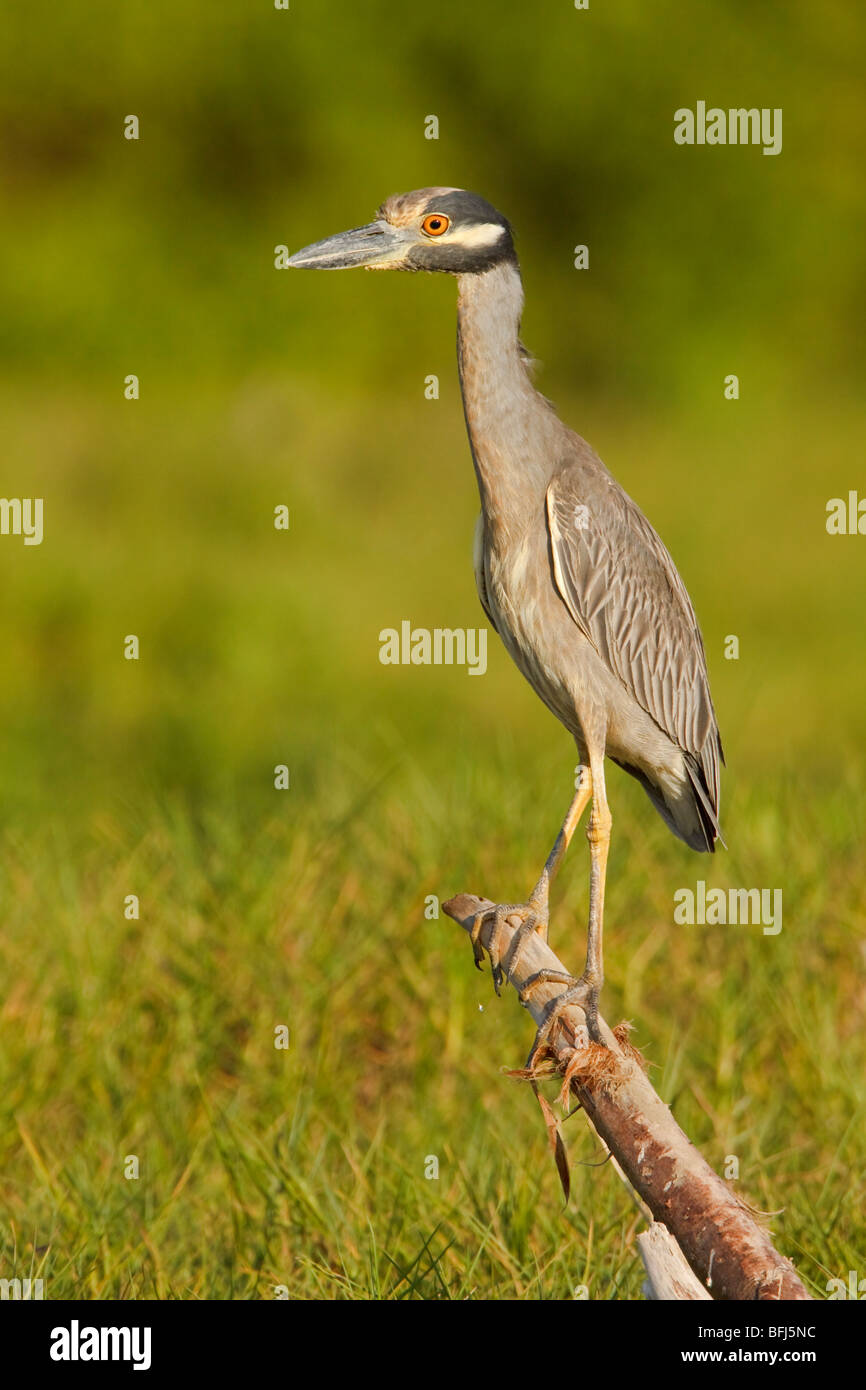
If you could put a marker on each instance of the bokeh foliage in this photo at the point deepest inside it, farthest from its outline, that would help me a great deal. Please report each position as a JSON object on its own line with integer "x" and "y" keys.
{"x": 259, "y": 387}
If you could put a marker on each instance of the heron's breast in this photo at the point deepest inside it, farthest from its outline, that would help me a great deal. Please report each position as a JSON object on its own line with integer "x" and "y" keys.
{"x": 539, "y": 635}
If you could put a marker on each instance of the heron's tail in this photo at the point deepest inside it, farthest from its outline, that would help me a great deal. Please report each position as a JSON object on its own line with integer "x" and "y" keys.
{"x": 704, "y": 803}
{"x": 686, "y": 809}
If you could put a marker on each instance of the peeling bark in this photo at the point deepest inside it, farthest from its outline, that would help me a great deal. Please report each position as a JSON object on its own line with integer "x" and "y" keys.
{"x": 731, "y": 1255}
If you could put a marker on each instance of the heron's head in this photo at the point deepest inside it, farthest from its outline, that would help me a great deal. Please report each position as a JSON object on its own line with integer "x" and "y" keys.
{"x": 431, "y": 229}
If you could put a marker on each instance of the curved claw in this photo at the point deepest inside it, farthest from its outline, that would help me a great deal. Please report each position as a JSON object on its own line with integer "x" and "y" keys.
{"x": 474, "y": 933}
{"x": 532, "y": 921}
{"x": 530, "y": 924}
{"x": 580, "y": 992}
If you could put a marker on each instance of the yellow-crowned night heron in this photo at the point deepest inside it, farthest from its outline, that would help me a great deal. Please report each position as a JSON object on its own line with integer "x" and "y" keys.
{"x": 570, "y": 573}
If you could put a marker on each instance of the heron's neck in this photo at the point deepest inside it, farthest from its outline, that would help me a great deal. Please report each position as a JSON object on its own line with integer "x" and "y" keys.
{"x": 507, "y": 420}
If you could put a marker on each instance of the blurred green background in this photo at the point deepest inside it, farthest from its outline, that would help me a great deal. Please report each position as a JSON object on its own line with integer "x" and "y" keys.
{"x": 258, "y": 387}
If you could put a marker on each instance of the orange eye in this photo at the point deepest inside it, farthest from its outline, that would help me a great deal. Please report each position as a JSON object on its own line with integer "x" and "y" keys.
{"x": 435, "y": 224}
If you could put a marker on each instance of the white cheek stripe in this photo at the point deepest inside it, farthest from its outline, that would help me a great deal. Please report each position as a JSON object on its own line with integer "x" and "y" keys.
{"x": 485, "y": 234}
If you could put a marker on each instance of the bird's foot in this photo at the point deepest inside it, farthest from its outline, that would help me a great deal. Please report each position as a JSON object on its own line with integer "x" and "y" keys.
{"x": 533, "y": 917}
{"x": 583, "y": 992}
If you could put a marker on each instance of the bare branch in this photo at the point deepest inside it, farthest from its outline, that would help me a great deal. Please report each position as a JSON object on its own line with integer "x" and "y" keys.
{"x": 727, "y": 1250}
{"x": 668, "y": 1276}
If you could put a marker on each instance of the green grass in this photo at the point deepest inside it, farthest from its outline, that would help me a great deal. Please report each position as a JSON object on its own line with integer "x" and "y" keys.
{"x": 305, "y": 1167}
{"x": 154, "y": 1037}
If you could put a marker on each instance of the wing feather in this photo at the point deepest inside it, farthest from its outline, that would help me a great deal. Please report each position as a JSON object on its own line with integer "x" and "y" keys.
{"x": 622, "y": 589}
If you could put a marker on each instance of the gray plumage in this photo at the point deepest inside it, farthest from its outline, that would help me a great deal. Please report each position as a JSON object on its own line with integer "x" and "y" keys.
{"x": 575, "y": 580}
{"x": 570, "y": 573}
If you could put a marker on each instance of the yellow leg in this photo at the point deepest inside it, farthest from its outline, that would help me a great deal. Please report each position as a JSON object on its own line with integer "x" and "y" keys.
{"x": 586, "y": 990}
{"x": 541, "y": 892}
{"x": 598, "y": 834}
{"x": 534, "y": 912}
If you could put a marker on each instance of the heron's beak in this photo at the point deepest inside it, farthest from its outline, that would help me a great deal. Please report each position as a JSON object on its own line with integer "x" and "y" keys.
{"x": 378, "y": 246}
